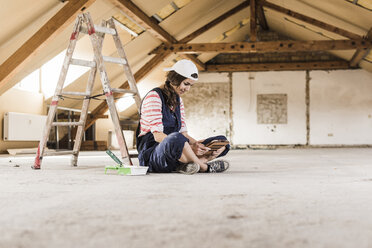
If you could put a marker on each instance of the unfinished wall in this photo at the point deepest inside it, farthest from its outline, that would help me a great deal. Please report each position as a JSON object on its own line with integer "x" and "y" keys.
{"x": 15, "y": 100}
{"x": 207, "y": 106}
{"x": 269, "y": 108}
{"x": 341, "y": 107}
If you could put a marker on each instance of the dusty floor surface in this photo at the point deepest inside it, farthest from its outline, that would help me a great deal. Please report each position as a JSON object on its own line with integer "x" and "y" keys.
{"x": 269, "y": 198}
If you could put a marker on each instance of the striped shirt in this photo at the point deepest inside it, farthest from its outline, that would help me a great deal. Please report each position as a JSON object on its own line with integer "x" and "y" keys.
{"x": 151, "y": 114}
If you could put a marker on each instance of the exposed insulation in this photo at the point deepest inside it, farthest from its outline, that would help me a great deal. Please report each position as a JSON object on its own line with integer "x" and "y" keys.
{"x": 128, "y": 23}
{"x": 170, "y": 9}
{"x": 181, "y": 3}
{"x": 166, "y": 11}
{"x": 229, "y": 32}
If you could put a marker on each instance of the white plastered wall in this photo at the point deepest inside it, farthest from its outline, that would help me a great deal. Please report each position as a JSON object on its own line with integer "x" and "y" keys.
{"x": 246, "y": 86}
{"x": 341, "y": 107}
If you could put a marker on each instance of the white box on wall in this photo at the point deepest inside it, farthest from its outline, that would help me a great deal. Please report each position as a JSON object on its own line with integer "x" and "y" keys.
{"x": 23, "y": 127}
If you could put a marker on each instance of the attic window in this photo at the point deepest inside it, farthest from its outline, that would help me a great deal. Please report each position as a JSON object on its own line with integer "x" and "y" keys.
{"x": 169, "y": 9}
{"x": 366, "y": 4}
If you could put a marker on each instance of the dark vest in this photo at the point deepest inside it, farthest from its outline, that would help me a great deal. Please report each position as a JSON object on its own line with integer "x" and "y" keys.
{"x": 171, "y": 122}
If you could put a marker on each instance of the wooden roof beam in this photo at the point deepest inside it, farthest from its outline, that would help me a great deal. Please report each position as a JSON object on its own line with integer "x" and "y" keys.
{"x": 282, "y": 66}
{"x": 361, "y": 53}
{"x": 150, "y": 24}
{"x": 216, "y": 21}
{"x": 310, "y": 20}
{"x": 266, "y": 46}
{"x": 253, "y": 21}
{"x": 49, "y": 30}
{"x": 261, "y": 17}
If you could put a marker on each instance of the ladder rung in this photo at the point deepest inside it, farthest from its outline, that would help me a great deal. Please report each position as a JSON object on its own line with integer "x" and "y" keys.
{"x": 99, "y": 29}
{"x": 52, "y": 153}
{"x": 114, "y": 60}
{"x": 76, "y": 123}
{"x": 83, "y": 62}
{"x": 124, "y": 91}
{"x": 71, "y": 93}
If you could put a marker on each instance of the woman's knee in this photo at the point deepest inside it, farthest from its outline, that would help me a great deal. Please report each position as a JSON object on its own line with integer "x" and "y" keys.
{"x": 220, "y": 137}
{"x": 175, "y": 137}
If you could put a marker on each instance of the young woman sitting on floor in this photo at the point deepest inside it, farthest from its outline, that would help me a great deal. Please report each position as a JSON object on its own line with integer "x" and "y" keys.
{"x": 163, "y": 143}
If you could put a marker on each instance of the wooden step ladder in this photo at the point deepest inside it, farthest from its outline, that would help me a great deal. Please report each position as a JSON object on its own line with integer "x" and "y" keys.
{"x": 96, "y": 35}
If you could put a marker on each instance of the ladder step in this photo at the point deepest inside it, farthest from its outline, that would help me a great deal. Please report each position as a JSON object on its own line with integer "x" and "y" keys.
{"x": 124, "y": 91}
{"x": 83, "y": 62}
{"x": 71, "y": 93}
{"x": 66, "y": 124}
{"x": 55, "y": 153}
{"x": 99, "y": 29}
{"x": 115, "y": 60}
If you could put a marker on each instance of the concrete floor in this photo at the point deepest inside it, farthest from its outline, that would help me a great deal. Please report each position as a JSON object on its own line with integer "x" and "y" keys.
{"x": 269, "y": 198}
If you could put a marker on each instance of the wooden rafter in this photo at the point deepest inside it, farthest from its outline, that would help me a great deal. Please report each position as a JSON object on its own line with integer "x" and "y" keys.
{"x": 129, "y": 8}
{"x": 139, "y": 75}
{"x": 318, "y": 65}
{"x": 361, "y": 53}
{"x": 216, "y": 21}
{"x": 253, "y": 21}
{"x": 267, "y": 46}
{"x": 49, "y": 30}
{"x": 310, "y": 20}
{"x": 149, "y": 23}
{"x": 261, "y": 17}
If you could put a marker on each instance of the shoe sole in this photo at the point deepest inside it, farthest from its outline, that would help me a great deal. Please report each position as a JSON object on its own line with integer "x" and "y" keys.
{"x": 193, "y": 171}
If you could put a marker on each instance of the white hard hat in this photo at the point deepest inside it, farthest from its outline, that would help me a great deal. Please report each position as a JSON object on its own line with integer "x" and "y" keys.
{"x": 185, "y": 68}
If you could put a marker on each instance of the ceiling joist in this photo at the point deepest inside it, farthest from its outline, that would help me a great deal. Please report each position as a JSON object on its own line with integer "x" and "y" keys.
{"x": 54, "y": 26}
{"x": 261, "y": 17}
{"x": 266, "y": 46}
{"x": 253, "y": 21}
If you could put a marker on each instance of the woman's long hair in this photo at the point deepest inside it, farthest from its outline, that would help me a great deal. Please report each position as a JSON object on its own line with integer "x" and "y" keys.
{"x": 171, "y": 99}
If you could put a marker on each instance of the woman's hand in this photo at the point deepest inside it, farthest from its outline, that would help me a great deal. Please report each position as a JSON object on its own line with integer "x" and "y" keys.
{"x": 215, "y": 154}
{"x": 199, "y": 149}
